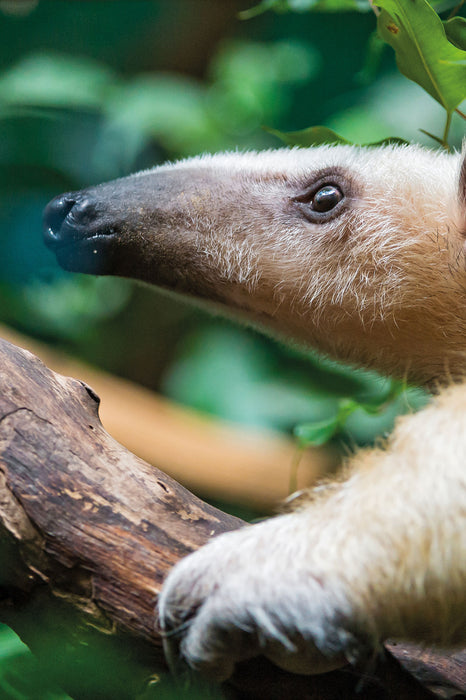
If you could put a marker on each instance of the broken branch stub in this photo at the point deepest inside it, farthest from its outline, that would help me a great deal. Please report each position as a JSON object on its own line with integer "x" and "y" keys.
{"x": 88, "y": 532}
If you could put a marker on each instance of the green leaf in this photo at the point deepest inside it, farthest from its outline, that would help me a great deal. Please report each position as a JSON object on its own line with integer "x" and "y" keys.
{"x": 316, "y": 433}
{"x": 320, "y": 432}
{"x": 377, "y": 403}
{"x": 21, "y": 676}
{"x": 306, "y": 6}
{"x": 320, "y": 135}
{"x": 329, "y": 5}
{"x": 313, "y": 136}
{"x": 261, "y": 8}
{"x": 389, "y": 141}
{"x": 325, "y": 6}
{"x": 455, "y": 29}
{"x": 423, "y": 52}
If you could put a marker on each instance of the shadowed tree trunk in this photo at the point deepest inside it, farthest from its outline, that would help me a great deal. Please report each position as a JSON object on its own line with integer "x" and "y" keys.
{"x": 88, "y": 532}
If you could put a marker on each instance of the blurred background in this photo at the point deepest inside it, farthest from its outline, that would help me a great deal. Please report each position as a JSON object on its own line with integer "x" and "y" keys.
{"x": 91, "y": 91}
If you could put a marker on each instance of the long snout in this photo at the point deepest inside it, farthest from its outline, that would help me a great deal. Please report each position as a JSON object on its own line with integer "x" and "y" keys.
{"x": 139, "y": 227}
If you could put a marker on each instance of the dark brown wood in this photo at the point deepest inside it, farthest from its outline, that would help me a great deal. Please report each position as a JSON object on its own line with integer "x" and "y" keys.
{"x": 94, "y": 528}
{"x": 443, "y": 672}
{"x": 88, "y": 532}
{"x": 258, "y": 467}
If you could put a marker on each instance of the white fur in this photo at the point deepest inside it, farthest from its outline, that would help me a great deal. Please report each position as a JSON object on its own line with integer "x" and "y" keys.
{"x": 381, "y": 552}
{"x": 370, "y": 273}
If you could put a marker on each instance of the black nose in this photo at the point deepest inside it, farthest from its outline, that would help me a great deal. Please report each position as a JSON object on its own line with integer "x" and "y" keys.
{"x": 68, "y": 217}
{"x": 80, "y": 233}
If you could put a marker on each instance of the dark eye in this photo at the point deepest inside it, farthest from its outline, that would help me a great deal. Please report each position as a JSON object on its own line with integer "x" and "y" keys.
{"x": 326, "y": 198}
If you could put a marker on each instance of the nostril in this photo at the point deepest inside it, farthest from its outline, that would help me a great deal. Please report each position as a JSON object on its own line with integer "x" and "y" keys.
{"x": 66, "y": 216}
{"x": 55, "y": 213}
{"x": 83, "y": 212}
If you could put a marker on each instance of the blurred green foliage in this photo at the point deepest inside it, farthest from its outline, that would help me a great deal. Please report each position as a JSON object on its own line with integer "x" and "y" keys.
{"x": 327, "y": 6}
{"x": 74, "y": 118}
{"x": 21, "y": 676}
{"x": 429, "y": 51}
{"x": 92, "y": 91}
{"x": 282, "y": 389}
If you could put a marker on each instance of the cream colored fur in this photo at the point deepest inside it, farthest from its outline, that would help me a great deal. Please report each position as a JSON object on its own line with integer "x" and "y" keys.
{"x": 383, "y": 286}
{"x": 380, "y": 552}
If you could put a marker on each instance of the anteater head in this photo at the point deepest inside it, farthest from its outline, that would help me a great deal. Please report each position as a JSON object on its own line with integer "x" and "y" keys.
{"x": 358, "y": 252}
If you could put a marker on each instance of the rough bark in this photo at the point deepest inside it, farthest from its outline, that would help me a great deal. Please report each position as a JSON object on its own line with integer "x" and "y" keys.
{"x": 87, "y": 533}
{"x": 211, "y": 457}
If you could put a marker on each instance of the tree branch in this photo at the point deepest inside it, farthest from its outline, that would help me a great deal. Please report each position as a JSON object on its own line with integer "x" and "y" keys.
{"x": 88, "y": 532}
{"x": 256, "y": 465}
